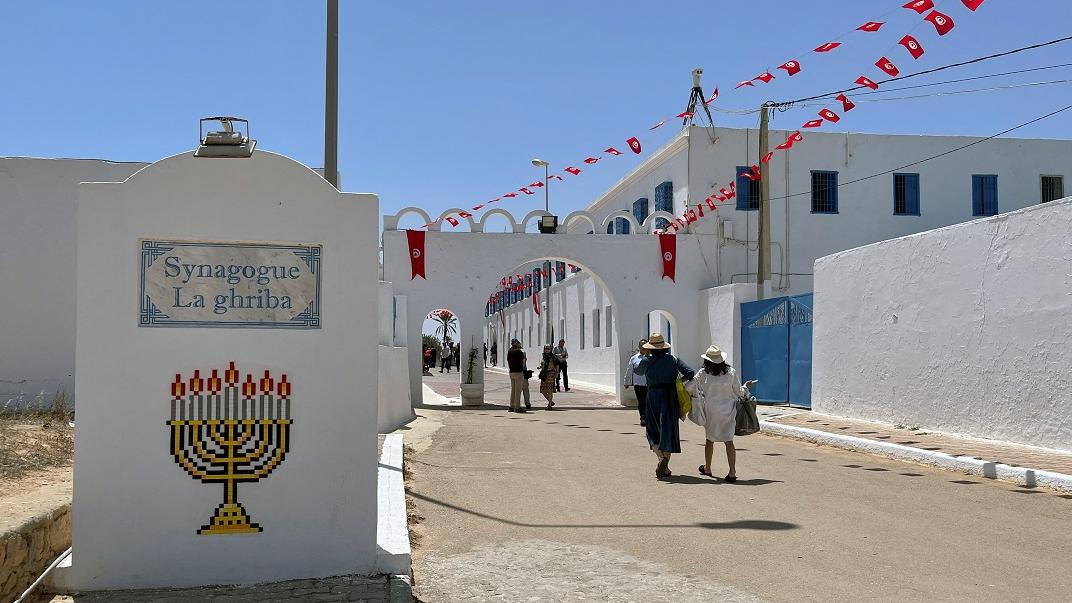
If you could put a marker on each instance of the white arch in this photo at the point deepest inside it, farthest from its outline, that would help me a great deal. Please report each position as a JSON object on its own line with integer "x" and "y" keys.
{"x": 578, "y": 214}
{"x": 532, "y": 214}
{"x": 621, "y": 213}
{"x": 649, "y": 222}
{"x": 454, "y": 211}
{"x": 391, "y": 222}
{"x": 501, "y": 212}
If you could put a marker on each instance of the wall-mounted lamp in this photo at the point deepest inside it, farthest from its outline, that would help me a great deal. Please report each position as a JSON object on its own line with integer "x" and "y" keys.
{"x": 225, "y": 142}
{"x": 548, "y": 224}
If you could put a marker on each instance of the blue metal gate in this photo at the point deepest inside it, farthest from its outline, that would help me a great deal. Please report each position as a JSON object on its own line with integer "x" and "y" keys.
{"x": 776, "y": 348}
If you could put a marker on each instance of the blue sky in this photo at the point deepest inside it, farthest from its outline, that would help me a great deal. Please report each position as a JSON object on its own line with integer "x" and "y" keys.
{"x": 444, "y": 104}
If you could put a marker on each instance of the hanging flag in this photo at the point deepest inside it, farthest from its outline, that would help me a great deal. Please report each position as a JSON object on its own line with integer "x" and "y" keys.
{"x": 700, "y": 208}
{"x": 613, "y": 151}
{"x": 536, "y": 303}
{"x": 788, "y": 144}
{"x": 829, "y": 116}
{"x": 536, "y": 184}
{"x": 415, "y": 238}
{"x": 943, "y": 24}
{"x": 912, "y": 46}
{"x": 727, "y": 194}
{"x": 828, "y": 47}
{"x": 767, "y": 157}
{"x": 465, "y": 214}
{"x": 846, "y": 104}
{"x": 710, "y": 204}
{"x": 685, "y": 114}
{"x": 634, "y": 144}
{"x": 690, "y": 216}
{"x": 714, "y": 95}
{"x": 750, "y": 175}
{"x": 526, "y": 191}
{"x": 744, "y": 83}
{"x": 972, "y": 4}
{"x": 510, "y": 195}
{"x": 478, "y": 207}
{"x": 791, "y": 67}
{"x": 504, "y": 281}
{"x": 765, "y": 77}
{"x": 815, "y": 123}
{"x": 591, "y": 160}
{"x": 573, "y": 170}
{"x": 452, "y": 221}
{"x": 657, "y": 125}
{"x": 887, "y": 66}
{"x": 920, "y": 6}
{"x": 555, "y": 177}
{"x": 871, "y": 26}
{"x": 863, "y": 81}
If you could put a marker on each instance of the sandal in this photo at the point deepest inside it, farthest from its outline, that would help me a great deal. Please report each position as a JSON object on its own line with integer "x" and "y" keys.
{"x": 704, "y": 471}
{"x": 731, "y": 478}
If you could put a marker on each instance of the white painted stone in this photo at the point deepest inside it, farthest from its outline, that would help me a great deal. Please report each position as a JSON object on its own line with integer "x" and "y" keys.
{"x": 136, "y": 511}
{"x": 392, "y": 531}
{"x": 963, "y": 329}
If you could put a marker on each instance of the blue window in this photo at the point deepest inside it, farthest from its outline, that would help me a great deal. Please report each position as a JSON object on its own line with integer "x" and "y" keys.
{"x": 537, "y": 282}
{"x": 640, "y": 210}
{"x": 823, "y": 192}
{"x": 547, "y": 273}
{"x": 906, "y": 194}
{"x": 984, "y": 195}
{"x": 610, "y": 227}
{"x": 664, "y": 197}
{"x": 621, "y": 226}
{"x": 747, "y": 190}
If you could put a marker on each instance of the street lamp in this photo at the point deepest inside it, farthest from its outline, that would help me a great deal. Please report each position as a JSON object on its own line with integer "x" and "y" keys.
{"x": 546, "y": 182}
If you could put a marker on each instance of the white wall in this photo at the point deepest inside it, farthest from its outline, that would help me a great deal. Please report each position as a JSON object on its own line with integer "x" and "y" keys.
{"x": 395, "y": 408}
{"x": 722, "y": 318}
{"x": 963, "y": 329}
{"x": 37, "y": 268}
{"x": 136, "y": 511}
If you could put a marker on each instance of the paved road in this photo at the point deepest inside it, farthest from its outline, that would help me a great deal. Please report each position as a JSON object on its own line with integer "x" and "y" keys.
{"x": 564, "y": 506}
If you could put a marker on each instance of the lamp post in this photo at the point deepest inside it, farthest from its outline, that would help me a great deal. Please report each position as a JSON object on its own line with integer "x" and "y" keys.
{"x": 546, "y": 182}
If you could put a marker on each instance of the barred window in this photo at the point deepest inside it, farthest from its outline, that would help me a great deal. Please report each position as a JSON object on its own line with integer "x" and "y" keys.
{"x": 906, "y": 194}
{"x": 824, "y": 198}
{"x": 1053, "y": 188}
{"x": 747, "y": 190}
{"x": 984, "y": 195}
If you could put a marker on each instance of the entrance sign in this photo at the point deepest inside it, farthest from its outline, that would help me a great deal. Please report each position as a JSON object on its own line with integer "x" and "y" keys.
{"x": 229, "y": 284}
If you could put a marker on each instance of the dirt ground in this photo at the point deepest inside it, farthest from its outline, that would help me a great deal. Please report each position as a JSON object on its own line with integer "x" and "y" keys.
{"x": 30, "y": 443}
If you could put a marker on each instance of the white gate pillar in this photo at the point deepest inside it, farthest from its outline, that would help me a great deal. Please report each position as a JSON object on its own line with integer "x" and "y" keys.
{"x": 470, "y": 337}
{"x": 630, "y": 329}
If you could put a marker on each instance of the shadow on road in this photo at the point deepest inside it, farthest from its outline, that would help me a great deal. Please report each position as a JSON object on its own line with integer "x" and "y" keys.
{"x": 741, "y": 524}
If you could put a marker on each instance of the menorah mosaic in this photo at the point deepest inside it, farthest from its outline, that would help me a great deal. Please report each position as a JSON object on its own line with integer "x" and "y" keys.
{"x": 224, "y": 431}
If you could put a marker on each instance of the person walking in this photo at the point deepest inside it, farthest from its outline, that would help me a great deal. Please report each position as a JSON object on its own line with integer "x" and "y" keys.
{"x": 495, "y": 353}
{"x": 519, "y": 385}
{"x": 715, "y": 391}
{"x": 662, "y": 412}
{"x": 562, "y": 356}
{"x": 637, "y": 380}
{"x": 548, "y": 376}
{"x": 485, "y": 354}
{"x": 444, "y": 363}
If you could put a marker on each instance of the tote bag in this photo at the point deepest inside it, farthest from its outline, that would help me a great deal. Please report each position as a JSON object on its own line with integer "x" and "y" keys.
{"x": 696, "y": 414}
{"x": 684, "y": 400}
{"x": 747, "y": 419}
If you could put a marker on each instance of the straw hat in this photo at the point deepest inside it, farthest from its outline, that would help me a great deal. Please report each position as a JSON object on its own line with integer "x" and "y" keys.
{"x": 714, "y": 355}
{"x": 656, "y": 342}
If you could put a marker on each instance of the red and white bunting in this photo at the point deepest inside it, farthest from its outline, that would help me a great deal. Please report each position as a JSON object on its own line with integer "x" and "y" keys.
{"x": 634, "y": 145}
{"x": 920, "y": 6}
{"x": 943, "y": 24}
{"x": 791, "y": 67}
{"x": 827, "y": 47}
{"x": 866, "y": 81}
{"x": 887, "y": 66}
{"x": 815, "y": 123}
{"x": 912, "y": 46}
{"x": 612, "y": 151}
{"x": 972, "y": 5}
{"x": 871, "y": 26}
{"x": 573, "y": 170}
{"x": 591, "y": 160}
{"x": 765, "y": 77}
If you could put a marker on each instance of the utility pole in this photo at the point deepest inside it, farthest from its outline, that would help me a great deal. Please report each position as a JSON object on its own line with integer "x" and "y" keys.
{"x": 331, "y": 97}
{"x": 763, "y": 269}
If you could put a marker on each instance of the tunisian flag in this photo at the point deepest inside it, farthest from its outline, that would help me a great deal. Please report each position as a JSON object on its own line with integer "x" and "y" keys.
{"x": 668, "y": 246}
{"x": 416, "y": 253}
{"x": 536, "y": 303}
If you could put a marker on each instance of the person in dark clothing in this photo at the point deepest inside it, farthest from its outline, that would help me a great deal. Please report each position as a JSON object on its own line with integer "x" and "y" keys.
{"x": 519, "y": 385}
{"x": 661, "y": 371}
{"x": 495, "y": 353}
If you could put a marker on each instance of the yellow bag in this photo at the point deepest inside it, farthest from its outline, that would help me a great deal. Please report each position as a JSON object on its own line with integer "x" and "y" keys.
{"x": 684, "y": 400}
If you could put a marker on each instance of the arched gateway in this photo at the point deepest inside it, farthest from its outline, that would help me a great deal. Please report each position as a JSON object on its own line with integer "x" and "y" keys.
{"x": 464, "y": 268}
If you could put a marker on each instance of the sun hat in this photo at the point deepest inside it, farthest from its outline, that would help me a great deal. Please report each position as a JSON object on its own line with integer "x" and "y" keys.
{"x": 513, "y": 341}
{"x": 714, "y": 355}
{"x": 656, "y": 342}
{"x": 547, "y": 348}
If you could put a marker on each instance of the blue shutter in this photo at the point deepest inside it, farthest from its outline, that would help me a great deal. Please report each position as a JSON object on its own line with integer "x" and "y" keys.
{"x": 621, "y": 226}
{"x": 977, "y": 195}
{"x": 990, "y": 195}
{"x": 743, "y": 188}
{"x": 664, "y": 197}
{"x": 912, "y": 194}
{"x": 640, "y": 210}
{"x": 610, "y": 227}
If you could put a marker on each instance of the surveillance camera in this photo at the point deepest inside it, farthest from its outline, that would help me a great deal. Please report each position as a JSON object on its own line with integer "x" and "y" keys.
{"x": 696, "y": 73}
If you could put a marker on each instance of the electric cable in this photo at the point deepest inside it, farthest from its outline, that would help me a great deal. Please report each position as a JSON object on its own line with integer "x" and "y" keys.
{"x": 928, "y": 71}
{"x": 948, "y": 93}
{"x": 943, "y": 154}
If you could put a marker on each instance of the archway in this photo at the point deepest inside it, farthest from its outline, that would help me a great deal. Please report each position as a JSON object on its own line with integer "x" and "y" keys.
{"x": 442, "y": 360}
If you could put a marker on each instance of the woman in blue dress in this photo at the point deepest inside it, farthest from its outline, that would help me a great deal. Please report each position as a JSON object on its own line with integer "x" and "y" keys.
{"x": 661, "y": 370}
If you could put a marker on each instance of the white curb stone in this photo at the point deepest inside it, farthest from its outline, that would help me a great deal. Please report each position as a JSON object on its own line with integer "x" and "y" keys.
{"x": 1018, "y": 475}
{"x": 392, "y": 527}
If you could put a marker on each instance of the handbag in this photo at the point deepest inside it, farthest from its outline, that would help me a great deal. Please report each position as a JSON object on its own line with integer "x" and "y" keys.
{"x": 696, "y": 414}
{"x": 528, "y": 374}
{"x": 747, "y": 419}
{"x": 543, "y": 374}
{"x": 684, "y": 400}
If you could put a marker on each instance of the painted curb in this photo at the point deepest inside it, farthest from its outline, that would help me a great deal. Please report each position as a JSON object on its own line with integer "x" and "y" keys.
{"x": 1019, "y": 475}
{"x": 392, "y": 524}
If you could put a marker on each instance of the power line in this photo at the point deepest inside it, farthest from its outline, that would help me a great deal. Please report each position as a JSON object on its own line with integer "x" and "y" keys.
{"x": 949, "y": 152}
{"x": 959, "y": 80}
{"x": 949, "y": 92}
{"x": 928, "y": 71}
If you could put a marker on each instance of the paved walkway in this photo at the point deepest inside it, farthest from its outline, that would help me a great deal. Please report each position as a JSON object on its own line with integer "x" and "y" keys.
{"x": 563, "y": 506}
{"x": 497, "y": 391}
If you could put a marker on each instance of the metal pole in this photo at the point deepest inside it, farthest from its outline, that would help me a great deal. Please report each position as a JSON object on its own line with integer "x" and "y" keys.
{"x": 763, "y": 269}
{"x": 546, "y": 188}
{"x": 331, "y": 97}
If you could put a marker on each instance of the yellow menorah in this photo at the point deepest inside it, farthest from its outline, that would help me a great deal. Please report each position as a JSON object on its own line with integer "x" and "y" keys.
{"x": 220, "y": 434}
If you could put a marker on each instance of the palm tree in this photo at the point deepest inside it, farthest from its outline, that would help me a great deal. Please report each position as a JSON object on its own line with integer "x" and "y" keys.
{"x": 447, "y": 324}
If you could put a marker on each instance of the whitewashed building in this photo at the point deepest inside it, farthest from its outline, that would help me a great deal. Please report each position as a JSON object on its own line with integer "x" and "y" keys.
{"x": 830, "y": 193}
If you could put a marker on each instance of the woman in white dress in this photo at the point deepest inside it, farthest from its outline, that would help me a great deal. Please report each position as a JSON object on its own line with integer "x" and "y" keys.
{"x": 715, "y": 392}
